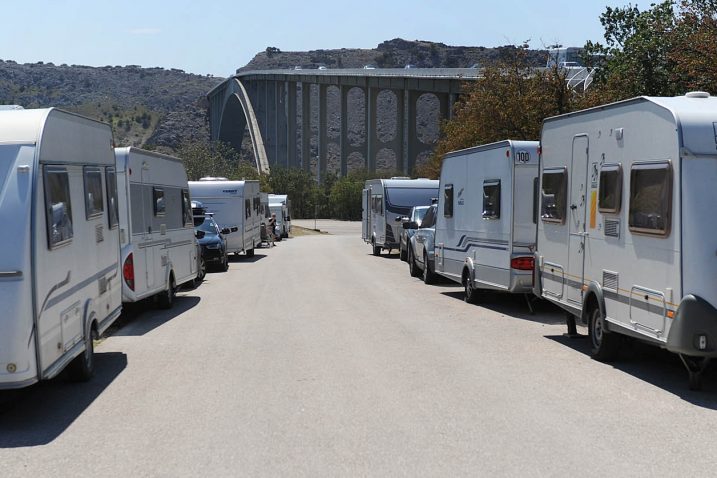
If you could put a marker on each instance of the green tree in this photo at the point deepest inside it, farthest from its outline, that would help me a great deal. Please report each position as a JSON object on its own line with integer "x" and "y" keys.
{"x": 213, "y": 158}
{"x": 510, "y": 101}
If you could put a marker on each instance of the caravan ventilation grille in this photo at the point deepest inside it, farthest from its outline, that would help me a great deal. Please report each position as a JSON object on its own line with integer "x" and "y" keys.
{"x": 99, "y": 233}
{"x": 612, "y": 227}
{"x": 610, "y": 281}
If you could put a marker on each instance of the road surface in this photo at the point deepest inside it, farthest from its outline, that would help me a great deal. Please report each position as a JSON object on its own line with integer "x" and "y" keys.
{"x": 315, "y": 358}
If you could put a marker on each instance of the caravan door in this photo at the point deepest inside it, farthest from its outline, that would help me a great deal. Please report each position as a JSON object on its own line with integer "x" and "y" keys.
{"x": 148, "y": 235}
{"x": 576, "y": 219}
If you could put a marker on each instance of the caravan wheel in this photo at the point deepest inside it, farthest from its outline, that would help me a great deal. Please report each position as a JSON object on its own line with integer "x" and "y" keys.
{"x": 82, "y": 367}
{"x": 165, "y": 299}
{"x": 604, "y": 344}
{"x": 471, "y": 294}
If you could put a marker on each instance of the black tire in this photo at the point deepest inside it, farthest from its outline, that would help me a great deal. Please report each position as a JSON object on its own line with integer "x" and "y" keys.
{"x": 82, "y": 367}
{"x": 224, "y": 266}
{"x": 250, "y": 252}
{"x": 201, "y": 273}
{"x": 402, "y": 254}
{"x": 165, "y": 299}
{"x": 471, "y": 295}
{"x": 429, "y": 277}
{"x": 604, "y": 345}
{"x": 376, "y": 250}
{"x": 412, "y": 266}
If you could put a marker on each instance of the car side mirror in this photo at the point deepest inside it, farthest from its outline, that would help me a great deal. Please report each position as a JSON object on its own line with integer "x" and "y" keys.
{"x": 400, "y": 219}
{"x": 226, "y": 230}
{"x": 235, "y": 228}
{"x": 288, "y": 218}
{"x": 410, "y": 225}
{"x": 199, "y": 234}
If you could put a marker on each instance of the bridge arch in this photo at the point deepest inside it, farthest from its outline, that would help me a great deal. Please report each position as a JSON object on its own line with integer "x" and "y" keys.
{"x": 237, "y": 114}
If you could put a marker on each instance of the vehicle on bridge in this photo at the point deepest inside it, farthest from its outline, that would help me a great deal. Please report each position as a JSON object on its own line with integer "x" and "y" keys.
{"x": 487, "y": 215}
{"x": 625, "y": 239}
{"x": 59, "y": 266}
{"x": 235, "y": 205}
{"x": 385, "y": 202}
{"x": 158, "y": 248}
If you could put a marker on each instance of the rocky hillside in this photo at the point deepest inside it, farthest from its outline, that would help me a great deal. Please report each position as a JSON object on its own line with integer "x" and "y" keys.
{"x": 395, "y": 53}
{"x": 146, "y": 106}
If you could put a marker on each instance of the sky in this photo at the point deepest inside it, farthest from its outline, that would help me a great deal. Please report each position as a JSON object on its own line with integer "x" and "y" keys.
{"x": 217, "y": 37}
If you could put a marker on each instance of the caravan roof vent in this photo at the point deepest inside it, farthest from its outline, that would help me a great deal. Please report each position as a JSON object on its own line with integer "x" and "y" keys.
{"x": 697, "y": 94}
{"x": 400, "y": 177}
{"x": 11, "y": 107}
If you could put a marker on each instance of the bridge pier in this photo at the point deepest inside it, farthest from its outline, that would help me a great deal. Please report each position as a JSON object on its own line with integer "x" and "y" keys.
{"x": 291, "y": 124}
{"x": 323, "y": 136}
{"x": 306, "y": 126}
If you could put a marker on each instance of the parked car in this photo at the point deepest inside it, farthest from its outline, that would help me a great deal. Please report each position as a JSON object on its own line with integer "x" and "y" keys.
{"x": 416, "y": 215}
{"x": 421, "y": 246}
{"x": 212, "y": 241}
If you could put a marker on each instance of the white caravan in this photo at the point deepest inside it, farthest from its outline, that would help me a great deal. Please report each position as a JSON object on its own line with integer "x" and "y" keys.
{"x": 159, "y": 250}
{"x": 59, "y": 267}
{"x": 625, "y": 240}
{"x": 236, "y": 206}
{"x": 279, "y": 204}
{"x": 385, "y": 201}
{"x": 486, "y": 218}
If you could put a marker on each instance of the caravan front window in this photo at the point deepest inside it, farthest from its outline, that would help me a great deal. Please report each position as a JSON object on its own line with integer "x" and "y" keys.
{"x": 58, "y": 207}
{"x": 651, "y": 198}
{"x": 94, "y": 203}
{"x": 554, "y": 195}
{"x": 491, "y": 199}
{"x": 112, "y": 205}
{"x": 401, "y": 200}
{"x": 159, "y": 204}
{"x": 448, "y": 201}
{"x": 610, "y": 196}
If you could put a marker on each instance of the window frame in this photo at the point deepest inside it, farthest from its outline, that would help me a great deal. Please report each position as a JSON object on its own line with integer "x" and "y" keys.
{"x": 448, "y": 200}
{"x": 496, "y": 214}
{"x": 560, "y": 170}
{"x": 187, "y": 214}
{"x": 92, "y": 213}
{"x": 653, "y": 165}
{"x": 610, "y": 167}
{"x": 155, "y": 197}
{"x": 110, "y": 210}
{"x": 47, "y": 170}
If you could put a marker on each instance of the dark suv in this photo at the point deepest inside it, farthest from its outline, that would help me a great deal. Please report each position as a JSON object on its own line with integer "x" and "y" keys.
{"x": 212, "y": 241}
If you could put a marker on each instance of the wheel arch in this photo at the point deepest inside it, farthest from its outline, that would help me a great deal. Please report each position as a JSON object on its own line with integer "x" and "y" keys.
{"x": 594, "y": 297}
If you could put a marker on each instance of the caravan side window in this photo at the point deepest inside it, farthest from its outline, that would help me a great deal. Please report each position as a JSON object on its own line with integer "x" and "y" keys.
{"x": 536, "y": 199}
{"x": 448, "y": 200}
{"x": 610, "y": 196}
{"x": 491, "y": 199}
{"x": 247, "y": 208}
{"x": 58, "y": 207}
{"x": 158, "y": 201}
{"x": 94, "y": 202}
{"x": 112, "y": 205}
{"x": 554, "y": 195}
{"x": 187, "y": 209}
{"x": 651, "y": 198}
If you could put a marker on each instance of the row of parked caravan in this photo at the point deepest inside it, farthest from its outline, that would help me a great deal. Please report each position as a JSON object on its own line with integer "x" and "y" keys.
{"x": 90, "y": 227}
{"x": 608, "y": 217}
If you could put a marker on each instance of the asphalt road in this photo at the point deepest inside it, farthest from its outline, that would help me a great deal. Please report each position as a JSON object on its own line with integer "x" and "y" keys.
{"x": 315, "y": 358}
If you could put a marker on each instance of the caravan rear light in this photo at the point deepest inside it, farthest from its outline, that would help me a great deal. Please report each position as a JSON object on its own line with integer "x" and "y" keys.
{"x": 128, "y": 271}
{"x": 522, "y": 263}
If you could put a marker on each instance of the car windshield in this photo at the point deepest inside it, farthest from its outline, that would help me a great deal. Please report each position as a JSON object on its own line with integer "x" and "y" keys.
{"x": 207, "y": 226}
{"x": 418, "y": 214}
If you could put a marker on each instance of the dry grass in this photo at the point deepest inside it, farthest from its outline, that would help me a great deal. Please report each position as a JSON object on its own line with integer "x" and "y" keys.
{"x": 297, "y": 231}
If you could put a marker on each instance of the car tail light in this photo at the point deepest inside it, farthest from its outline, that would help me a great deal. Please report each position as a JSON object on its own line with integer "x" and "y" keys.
{"x": 128, "y": 271}
{"x": 522, "y": 263}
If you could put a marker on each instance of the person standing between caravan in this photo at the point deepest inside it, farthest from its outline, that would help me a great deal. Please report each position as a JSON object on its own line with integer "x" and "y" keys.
{"x": 272, "y": 228}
